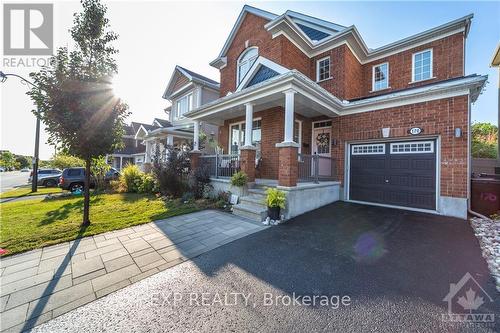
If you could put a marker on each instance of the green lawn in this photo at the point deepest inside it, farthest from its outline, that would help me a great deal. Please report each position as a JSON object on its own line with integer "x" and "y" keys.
{"x": 35, "y": 223}
{"x": 23, "y": 191}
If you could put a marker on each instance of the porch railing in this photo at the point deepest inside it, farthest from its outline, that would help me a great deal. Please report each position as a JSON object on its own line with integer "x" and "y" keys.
{"x": 220, "y": 165}
{"x": 315, "y": 168}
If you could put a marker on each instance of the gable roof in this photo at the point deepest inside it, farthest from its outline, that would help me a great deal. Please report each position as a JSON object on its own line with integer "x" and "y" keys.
{"x": 192, "y": 77}
{"x": 314, "y": 36}
{"x": 262, "y": 69}
{"x": 495, "y": 61}
{"x": 162, "y": 122}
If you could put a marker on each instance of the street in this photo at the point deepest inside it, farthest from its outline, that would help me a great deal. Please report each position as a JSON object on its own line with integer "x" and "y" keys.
{"x": 11, "y": 179}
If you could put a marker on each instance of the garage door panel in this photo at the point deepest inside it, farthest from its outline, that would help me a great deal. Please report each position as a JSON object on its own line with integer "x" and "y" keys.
{"x": 395, "y": 178}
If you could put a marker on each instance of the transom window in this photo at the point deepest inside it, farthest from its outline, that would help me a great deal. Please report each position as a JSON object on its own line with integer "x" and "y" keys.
{"x": 369, "y": 149}
{"x": 422, "y": 65}
{"x": 412, "y": 147}
{"x": 184, "y": 104}
{"x": 246, "y": 61}
{"x": 320, "y": 124}
{"x": 323, "y": 69}
{"x": 380, "y": 77}
{"x": 237, "y": 135}
{"x": 297, "y": 134}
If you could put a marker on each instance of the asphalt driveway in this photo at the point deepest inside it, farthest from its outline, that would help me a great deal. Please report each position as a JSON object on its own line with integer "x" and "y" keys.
{"x": 393, "y": 268}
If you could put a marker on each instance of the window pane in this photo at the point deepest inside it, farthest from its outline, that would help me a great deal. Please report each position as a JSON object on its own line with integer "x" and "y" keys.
{"x": 422, "y": 66}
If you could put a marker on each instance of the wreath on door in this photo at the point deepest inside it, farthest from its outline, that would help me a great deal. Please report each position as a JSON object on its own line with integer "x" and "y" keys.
{"x": 322, "y": 140}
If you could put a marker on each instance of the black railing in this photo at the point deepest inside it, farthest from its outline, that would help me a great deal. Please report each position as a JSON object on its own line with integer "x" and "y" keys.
{"x": 315, "y": 168}
{"x": 220, "y": 165}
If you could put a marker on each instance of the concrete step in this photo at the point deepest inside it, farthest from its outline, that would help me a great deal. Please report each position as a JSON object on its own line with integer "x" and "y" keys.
{"x": 254, "y": 199}
{"x": 250, "y": 211}
{"x": 257, "y": 191}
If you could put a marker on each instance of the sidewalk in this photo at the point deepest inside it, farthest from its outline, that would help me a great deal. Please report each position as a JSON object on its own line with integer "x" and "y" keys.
{"x": 39, "y": 285}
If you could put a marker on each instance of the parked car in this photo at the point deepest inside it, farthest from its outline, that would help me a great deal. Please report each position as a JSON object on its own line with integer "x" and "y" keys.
{"x": 2, "y": 169}
{"x": 49, "y": 181}
{"x": 42, "y": 173}
{"x": 72, "y": 179}
{"x": 25, "y": 170}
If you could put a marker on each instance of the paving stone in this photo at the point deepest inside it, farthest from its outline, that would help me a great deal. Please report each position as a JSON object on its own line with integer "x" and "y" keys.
{"x": 54, "y": 264}
{"x": 142, "y": 252}
{"x": 114, "y": 254}
{"x": 106, "y": 242}
{"x": 171, "y": 264}
{"x": 32, "y": 293}
{"x": 30, "y": 323}
{"x": 115, "y": 277}
{"x": 136, "y": 245}
{"x": 89, "y": 276}
{"x": 99, "y": 238}
{"x": 172, "y": 255}
{"x": 73, "y": 305}
{"x": 114, "y": 287}
{"x": 13, "y": 316}
{"x": 153, "y": 265}
{"x": 3, "y": 302}
{"x": 167, "y": 249}
{"x": 4, "y": 279}
{"x": 235, "y": 231}
{"x": 144, "y": 275}
{"x": 147, "y": 259}
{"x": 20, "y": 266}
{"x": 8, "y": 288}
{"x": 153, "y": 236}
{"x": 60, "y": 251}
{"x": 83, "y": 248}
{"x": 113, "y": 265}
{"x": 20, "y": 258}
{"x": 124, "y": 238}
{"x": 123, "y": 232}
{"x": 103, "y": 250}
{"x": 78, "y": 257}
{"x": 86, "y": 266}
{"x": 161, "y": 243}
{"x": 59, "y": 298}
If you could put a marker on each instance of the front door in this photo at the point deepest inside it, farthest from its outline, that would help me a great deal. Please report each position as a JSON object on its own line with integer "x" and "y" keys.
{"x": 321, "y": 145}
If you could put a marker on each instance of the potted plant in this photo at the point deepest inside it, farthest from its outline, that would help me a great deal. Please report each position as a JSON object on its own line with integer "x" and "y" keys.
{"x": 239, "y": 182}
{"x": 275, "y": 201}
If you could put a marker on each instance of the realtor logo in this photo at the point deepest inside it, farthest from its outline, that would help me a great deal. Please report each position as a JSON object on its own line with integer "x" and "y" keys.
{"x": 465, "y": 300}
{"x": 28, "y": 29}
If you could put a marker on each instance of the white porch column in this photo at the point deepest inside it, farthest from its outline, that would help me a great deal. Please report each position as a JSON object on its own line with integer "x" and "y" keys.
{"x": 289, "y": 110}
{"x": 248, "y": 124}
{"x": 170, "y": 140}
{"x": 147, "y": 157}
{"x": 196, "y": 135}
{"x": 121, "y": 163}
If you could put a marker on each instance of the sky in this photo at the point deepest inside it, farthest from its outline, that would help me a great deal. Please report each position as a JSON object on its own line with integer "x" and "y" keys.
{"x": 156, "y": 36}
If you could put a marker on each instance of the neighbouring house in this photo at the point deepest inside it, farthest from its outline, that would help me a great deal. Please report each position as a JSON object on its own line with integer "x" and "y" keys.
{"x": 134, "y": 149}
{"x": 307, "y": 106}
{"x": 186, "y": 90}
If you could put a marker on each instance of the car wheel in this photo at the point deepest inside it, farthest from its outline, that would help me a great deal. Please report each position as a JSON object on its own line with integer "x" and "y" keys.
{"x": 76, "y": 187}
{"x": 50, "y": 183}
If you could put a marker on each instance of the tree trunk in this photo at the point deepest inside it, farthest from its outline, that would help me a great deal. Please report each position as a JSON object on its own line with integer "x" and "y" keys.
{"x": 86, "y": 194}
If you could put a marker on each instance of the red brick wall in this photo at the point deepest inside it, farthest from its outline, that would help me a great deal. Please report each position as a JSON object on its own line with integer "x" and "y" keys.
{"x": 448, "y": 62}
{"x": 438, "y": 117}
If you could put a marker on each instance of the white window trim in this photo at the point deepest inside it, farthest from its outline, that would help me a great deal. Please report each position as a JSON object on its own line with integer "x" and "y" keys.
{"x": 412, "y": 152}
{"x": 300, "y": 134}
{"x": 373, "y": 76}
{"x": 238, "y": 63}
{"x": 370, "y": 153}
{"x": 177, "y": 115}
{"x": 329, "y": 69}
{"x": 413, "y": 66}
{"x": 239, "y": 123}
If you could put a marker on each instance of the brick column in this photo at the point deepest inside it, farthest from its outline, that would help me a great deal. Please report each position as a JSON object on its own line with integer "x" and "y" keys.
{"x": 247, "y": 162}
{"x": 288, "y": 164}
{"x": 194, "y": 155}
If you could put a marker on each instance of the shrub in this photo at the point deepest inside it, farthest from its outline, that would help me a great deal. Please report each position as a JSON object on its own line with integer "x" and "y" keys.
{"x": 200, "y": 181}
{"x": 171, "y": 172}
{"x": 147, "y": 184}
{"x": 275, "y": 198}
{"x": 187, "y": 197}
{"x": 131, "y": 178}
{"x": 239, "y": 179}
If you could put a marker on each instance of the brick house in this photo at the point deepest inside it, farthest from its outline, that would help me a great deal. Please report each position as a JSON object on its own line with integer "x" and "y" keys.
{"x": 305, "y": 105}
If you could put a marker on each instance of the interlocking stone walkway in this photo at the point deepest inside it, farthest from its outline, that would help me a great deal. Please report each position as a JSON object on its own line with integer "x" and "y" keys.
{"x": 39, "y": 285}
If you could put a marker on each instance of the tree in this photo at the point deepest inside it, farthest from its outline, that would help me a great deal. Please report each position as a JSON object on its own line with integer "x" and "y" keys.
{"x": 484, "y": 140}
{"x": 63, "y": 161}
{"x": 8, "y": 160}
{"x": 23, "y": 161}
{"x": 74, "y": 95}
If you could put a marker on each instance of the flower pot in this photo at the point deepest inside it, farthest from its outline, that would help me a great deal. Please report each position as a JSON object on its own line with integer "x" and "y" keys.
{"x": 273, "y": 213}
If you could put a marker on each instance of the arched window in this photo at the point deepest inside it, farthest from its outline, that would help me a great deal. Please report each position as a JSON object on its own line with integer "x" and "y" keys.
{"x": 245, "y": 61}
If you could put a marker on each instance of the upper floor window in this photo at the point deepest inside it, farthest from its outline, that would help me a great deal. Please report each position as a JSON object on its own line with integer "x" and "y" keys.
{"x": 422, "y": 65}
{"x": 323, "y": 69}
{"x": 183, "y": 105}
{"x": 380, "y": 77}
{"x": 246, "y": 61}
